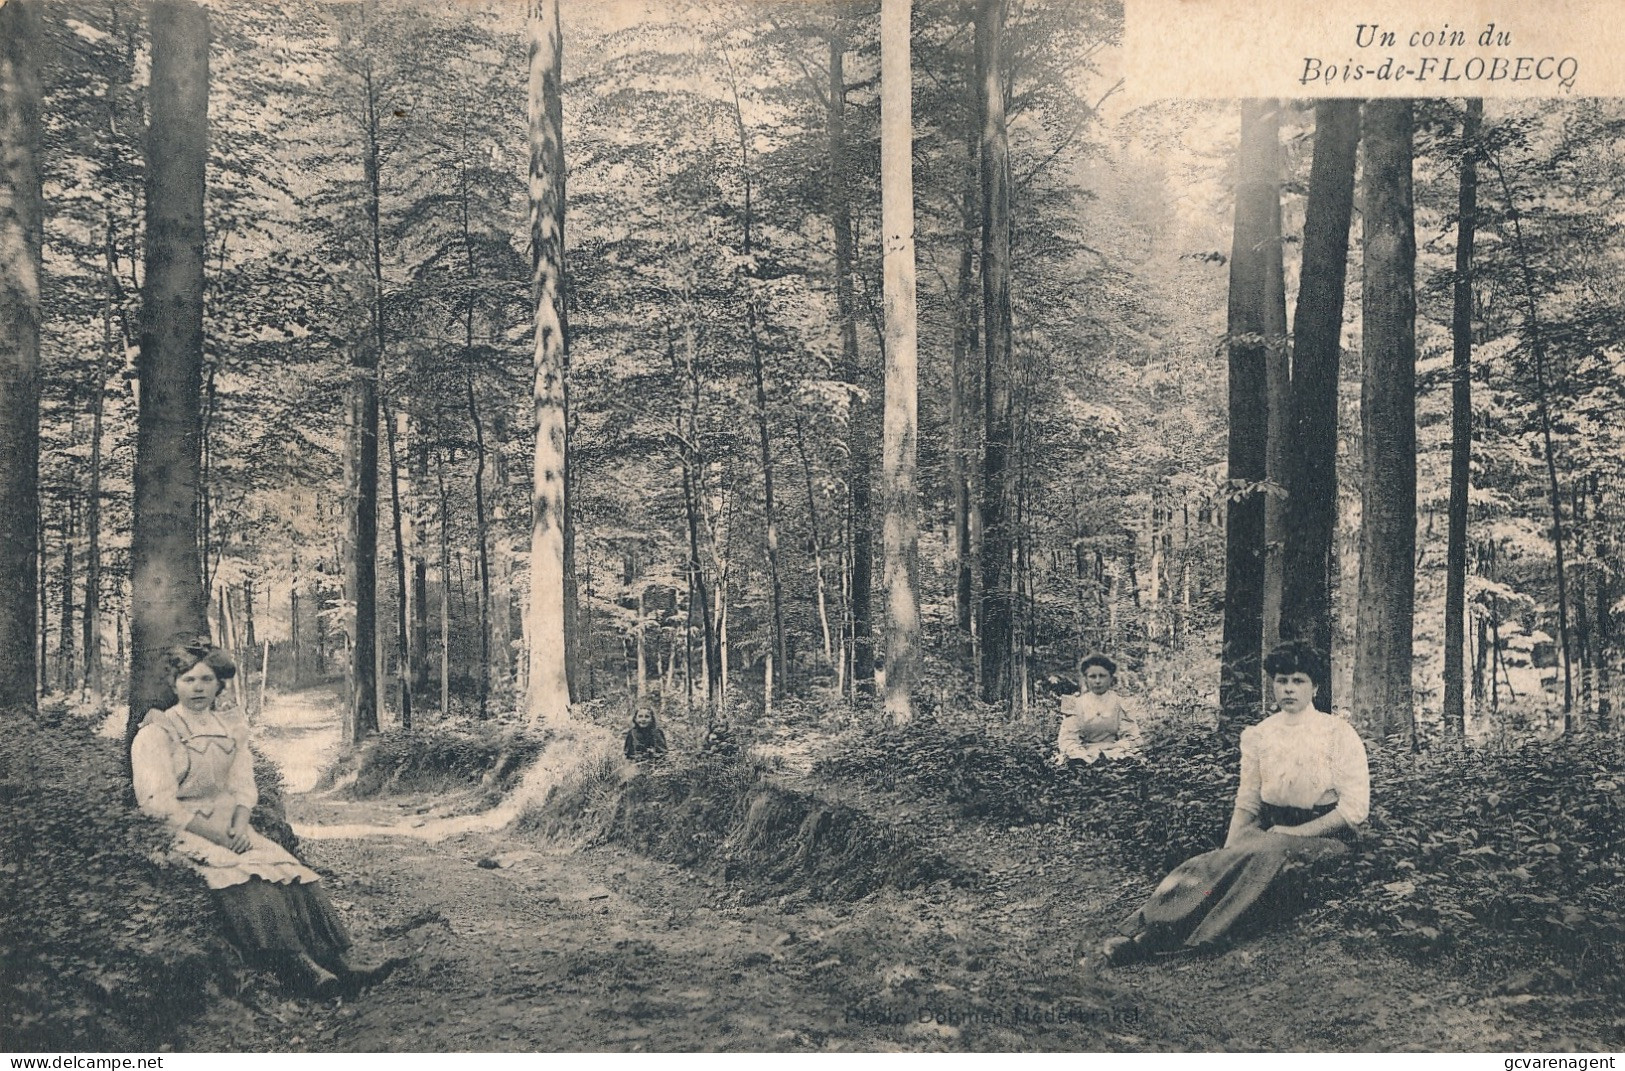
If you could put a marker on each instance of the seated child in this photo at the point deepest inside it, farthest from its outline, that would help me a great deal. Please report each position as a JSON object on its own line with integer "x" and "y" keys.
{"x": 645, "y": 740}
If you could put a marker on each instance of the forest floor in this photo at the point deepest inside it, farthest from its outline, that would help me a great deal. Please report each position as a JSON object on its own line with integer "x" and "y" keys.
{"x": 518, "y": 944}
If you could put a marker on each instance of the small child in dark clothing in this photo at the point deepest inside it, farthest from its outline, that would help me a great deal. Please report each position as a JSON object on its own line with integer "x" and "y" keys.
{"x": 644, "y": 740}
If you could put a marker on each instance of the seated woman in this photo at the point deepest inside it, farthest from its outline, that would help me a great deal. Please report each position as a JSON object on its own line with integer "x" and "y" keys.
{"x": 191, "y": 765}
{"x": 1097, "y": 724}
{"x": 1305, "y": 788}
{"x": 645, "y": 740}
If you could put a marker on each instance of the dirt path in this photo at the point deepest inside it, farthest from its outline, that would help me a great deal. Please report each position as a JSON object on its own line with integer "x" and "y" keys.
{"x": 600, "y": 949}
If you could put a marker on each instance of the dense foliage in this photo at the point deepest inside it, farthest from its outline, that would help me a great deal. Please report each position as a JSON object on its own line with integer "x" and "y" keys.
{"x": 105, "y": 946}
{"x": 458, "y": 753}
{"x": 1506, "y": 856}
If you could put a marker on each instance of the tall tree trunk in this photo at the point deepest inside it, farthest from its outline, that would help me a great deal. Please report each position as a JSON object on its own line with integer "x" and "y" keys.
{"x": 900, "y": 541}
{"x": 1311, "y": 477}
{"x": 573, "y": 633}
{"x": 1382, "y": 657}
{"x": 361, "y": 456}
{"x": 21, "y": 230}
{"x": 445, "y": 586}
{"x": 1257, "y": 205}
{"x": 776, "y": 681}
{"x": 66, "y": 660}
{"x": 549, "y": 686}
{"x": 167, "y": 591}
{"x": 248, "y": 615}
{"x": 501, "y": 598}
{"x": 1537, "y": 346}
{"x": 1604, "y": 625}
{"x": 482, "y": 528}
{"x": 296, "y": 637}
{"x": 403, "y": 649}
{"x": 998, "y": 489}
{"x": 815, "y": 531}
{"x": 42, "y": 649}
{"x": 1582, "y": 623}
{"x": 1461, "y": 428}
{"x": 482, "y": 543}
{"x": 859, "y": 432}
{"x": 92, "y": 637}
{"x": 420, "y": 556}
{"x": 1278, "y": 377}
{"x": 964, "y": 396}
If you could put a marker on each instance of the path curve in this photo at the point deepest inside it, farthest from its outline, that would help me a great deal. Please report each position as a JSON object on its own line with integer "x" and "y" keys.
{"x": 518, "y": 945}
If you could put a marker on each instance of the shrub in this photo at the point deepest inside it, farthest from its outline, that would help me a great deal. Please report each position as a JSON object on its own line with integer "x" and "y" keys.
{"x": 1490, "y": 854}
{"x": 1496, "y": 856}
{"x": 451, "y": 754}
{"x": 104, "y": 946}
{"x": 725, "y": 814}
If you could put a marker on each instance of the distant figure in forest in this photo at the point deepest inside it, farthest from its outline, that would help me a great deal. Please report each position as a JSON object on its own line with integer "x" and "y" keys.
{"x": 1096, "y": 723}
{"x": 1305, "y": 789}
{"x": 192, "y": 766}
{"x": 644, "y": 740}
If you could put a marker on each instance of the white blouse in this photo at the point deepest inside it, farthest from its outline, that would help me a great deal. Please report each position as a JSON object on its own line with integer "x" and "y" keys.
{"x": 1095, "y": 725}
{"x": 1312, "y": 760}
{"x": 187, "y": 765}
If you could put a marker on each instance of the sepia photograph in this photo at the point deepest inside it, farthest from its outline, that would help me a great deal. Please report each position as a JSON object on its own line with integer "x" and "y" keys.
{"x": 811, "y": 526}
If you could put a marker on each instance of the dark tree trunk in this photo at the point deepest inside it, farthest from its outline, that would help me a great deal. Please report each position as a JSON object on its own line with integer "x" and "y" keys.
{"x": 66, "y": 660}
{"x": 860, "y": 434}
{"x": 1382, "y": 660}
{"x": 1461, "y": 428}
{"x": 1278, "y": 376}
{"x": 403, "y": 650}
{"x": 482, "y": 541}
{"x": 361, "y": 454}
{"x": 998, "y": 489}
{"x": 445, "y": 585}
{"x": 1603, "y": 627}
{"x": 420, "y": 564}
{"x": 296, "y": 636}
{"x": 167, "y": 591}
{"x": 1311, "y": 507}
{"x": 964, "y": 383}
{"x": 248, "y": 615}
{"x": 1257, "y": 206}
{"x": 778, "y": 681}
{"x": 92, "y": 636}
{"x": 1582, "y": 612}
{"x": 21, "y": 229}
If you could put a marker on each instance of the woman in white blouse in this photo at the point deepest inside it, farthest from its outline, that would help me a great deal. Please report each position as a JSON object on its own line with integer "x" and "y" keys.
{"x": 1096, "y": 723}
{"x": 192, "y": 766}
{"x": 1305, "y": 789}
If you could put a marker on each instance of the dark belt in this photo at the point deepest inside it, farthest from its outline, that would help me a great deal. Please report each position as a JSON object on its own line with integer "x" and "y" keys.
{"x": 1273, "y": 814}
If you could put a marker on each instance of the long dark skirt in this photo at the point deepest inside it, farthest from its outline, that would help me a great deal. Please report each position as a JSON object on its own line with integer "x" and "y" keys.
{"x": 1205, "y": 900}
{"x": 265, "y": 919}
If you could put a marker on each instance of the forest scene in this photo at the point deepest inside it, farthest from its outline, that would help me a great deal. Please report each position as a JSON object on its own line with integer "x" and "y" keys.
{"x": 651, "y": 480}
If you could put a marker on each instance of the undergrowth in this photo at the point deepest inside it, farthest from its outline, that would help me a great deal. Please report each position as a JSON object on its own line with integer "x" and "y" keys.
{"x": 453, "y": 754}
{"x": 726, "y": 815}
{"x": 1499, "y": 858}
{"x": 104, "y": 946}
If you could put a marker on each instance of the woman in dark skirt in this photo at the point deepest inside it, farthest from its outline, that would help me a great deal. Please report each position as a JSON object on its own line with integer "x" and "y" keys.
{"x": 1305, "y": 789}
{"x": 192, "y": 766}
